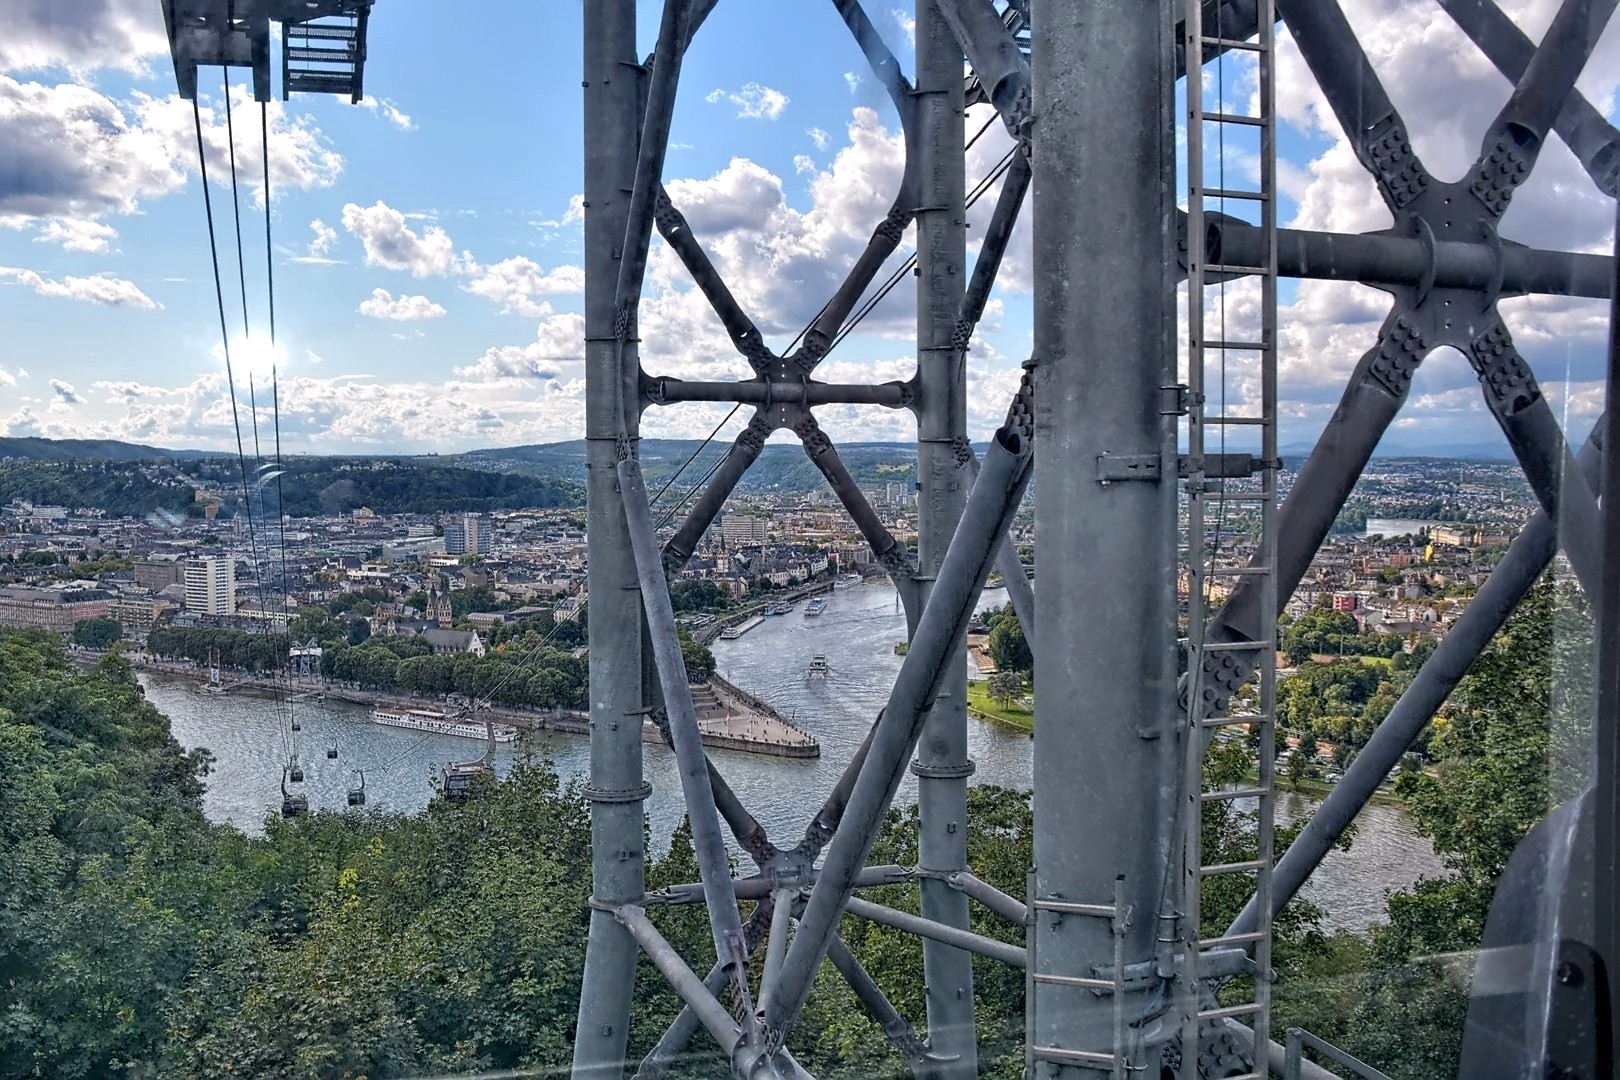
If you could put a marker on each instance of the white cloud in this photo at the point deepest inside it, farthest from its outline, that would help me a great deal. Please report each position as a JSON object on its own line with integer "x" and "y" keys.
{"x": 101, "y": 289}
{"x": 852, "y": 80}
{"x": 559, "y": 343}
{"x": 22, "y": 423}
{"x": 390, "y": 112}
{"x": 380, "y": 305}
{"x": 753, "y": 101}
{"x": 82, "y": 35}
{"x": 819, "y": 137}
{"x": 324, "y": 236}
{"x": 77, "y": 234}
{"x": 907, "y": 24}
{"x": 390, "y": 243}
{"x": 64, "y": 392}
{"x": 802, "y": 163}
{"x": 513, "y": 283}
{"x": 73, "y": 155}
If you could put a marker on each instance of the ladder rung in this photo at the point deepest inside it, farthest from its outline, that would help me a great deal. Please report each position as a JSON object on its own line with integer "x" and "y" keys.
{"x": 1237, "y": 571}
{"x": 1231, "y": 721}
{"x": 1234, "y": 193}
{"x": 1075, "y": 982}
{"x": 1070, "y": 907}
{"x": 1235, "y": 793}
{"x": 1248, "y": 346}
{"x": 1231, "y": 939}
{"x": 1077, "y": 1057}
{"x": 1247, "y": 1009}
{"x": 1233, "y": 43}
{"x": 1234, "y": 646}
{"x": 1238, "y": 421}
{"x": 1234, "y": 118}
{"x": 1229, "y": 268}
{"x": 1230, "y": 868}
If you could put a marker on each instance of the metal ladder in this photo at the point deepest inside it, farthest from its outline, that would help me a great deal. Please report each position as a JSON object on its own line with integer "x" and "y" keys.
{"x": 1201, "y": 565}
{"x": 1116, "y": 1064}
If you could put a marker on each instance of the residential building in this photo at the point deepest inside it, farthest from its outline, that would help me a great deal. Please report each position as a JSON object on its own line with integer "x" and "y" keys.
{"x": 157, "y": 572}
{"x": 51, "y": 608}
{"x": 211, "y": 585}
{"x": 740, "y": 531}
{"x": 137, "y": 615}
{"x": 469, "y": 534}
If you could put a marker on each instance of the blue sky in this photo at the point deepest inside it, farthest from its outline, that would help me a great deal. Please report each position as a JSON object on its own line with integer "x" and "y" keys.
{"x": 434, "y": 305}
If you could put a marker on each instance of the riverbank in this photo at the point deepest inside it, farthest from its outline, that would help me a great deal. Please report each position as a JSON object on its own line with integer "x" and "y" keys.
{"x": 736, "y": 725}
{"x": 1014, "y": 714}
{"x": 706, "y": 635}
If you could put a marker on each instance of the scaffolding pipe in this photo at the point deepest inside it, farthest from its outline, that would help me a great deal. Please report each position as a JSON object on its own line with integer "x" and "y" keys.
{"x": 705, "y": 1006}
{"x": 725, "y": 922}
{"x": 1385, "y": 261}
{"x": 929, "y": 930}
{"x": 939, "y": 630}
{"x": 1529, "y": 554}
{"x": 668, "y": 390}
{"x": 617, "y": 786}
{"x": 942, "y": 765}
{"x": 1592, "y": 138}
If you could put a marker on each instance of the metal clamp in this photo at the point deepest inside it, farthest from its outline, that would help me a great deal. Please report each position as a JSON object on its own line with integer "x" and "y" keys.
{"x": 1112, "y": 467}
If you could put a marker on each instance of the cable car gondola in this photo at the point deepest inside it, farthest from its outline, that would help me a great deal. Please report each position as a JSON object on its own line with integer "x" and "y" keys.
{"x": 357, "y": 794}
{"x": 295, "y": 771}
{"x": 456, "y": 781}
{"x": 292, "y": 806}
{"x": 331, "y": 753}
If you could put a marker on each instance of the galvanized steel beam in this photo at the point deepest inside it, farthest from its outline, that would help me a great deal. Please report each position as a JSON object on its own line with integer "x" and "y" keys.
{"x": 617, "y": 786}
{"x": 942, "y": 765}
{"x": 1106, "y": 759}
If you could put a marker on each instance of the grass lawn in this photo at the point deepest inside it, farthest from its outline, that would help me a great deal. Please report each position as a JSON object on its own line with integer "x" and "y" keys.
{"x": 1376, "y": 661}
{"x": 1013, "y": 715}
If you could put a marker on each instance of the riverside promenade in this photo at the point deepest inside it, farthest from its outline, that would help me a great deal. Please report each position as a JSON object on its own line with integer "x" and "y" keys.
{"x": 727, "y": 718}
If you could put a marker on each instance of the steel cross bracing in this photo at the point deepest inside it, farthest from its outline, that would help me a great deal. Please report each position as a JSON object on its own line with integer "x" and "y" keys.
{"x": 1443, "y": 262}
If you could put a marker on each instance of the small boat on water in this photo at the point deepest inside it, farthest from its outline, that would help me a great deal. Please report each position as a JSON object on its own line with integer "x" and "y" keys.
{"x": 818, "y": 667}
{"x": 815, "y": 607}
{"x": 846, "y": 580}
{"x": 779, "y": 609}
{"x": 440, "y": 723}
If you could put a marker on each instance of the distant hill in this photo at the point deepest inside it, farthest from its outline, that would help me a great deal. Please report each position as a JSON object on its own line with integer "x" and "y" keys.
{"x": 36, "y": 449}
{"x": 782, "y": 467}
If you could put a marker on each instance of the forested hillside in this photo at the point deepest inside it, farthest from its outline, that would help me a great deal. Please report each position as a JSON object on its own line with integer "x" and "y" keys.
{"x": 118, "y": 488}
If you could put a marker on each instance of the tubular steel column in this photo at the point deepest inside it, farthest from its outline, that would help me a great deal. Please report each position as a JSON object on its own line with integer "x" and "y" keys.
{"x": 616, "y": 788}
{"x": 942, "y": 764}
{"x": 1105, "y": 760}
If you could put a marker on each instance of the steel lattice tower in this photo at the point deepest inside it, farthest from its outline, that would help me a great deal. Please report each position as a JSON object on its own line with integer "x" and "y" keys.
{"x": 1089, "y": 102}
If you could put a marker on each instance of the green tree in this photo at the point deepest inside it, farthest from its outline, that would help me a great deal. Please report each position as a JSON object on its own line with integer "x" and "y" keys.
{"x": 97, "y": 633}
{"x": 1005, "y": 687}
{"x": 1008, "y": 648}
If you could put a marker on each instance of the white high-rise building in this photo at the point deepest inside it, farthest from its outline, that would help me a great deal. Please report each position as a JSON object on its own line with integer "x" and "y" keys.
{"x": 211, "y": 585}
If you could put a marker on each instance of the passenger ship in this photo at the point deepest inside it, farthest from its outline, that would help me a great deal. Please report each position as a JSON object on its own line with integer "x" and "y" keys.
{"x": 440, "y": 723}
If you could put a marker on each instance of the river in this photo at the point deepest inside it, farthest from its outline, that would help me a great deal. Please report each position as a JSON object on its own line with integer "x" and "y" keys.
{"x": 1390, "y": 527}
{"x": 857, "y": 634}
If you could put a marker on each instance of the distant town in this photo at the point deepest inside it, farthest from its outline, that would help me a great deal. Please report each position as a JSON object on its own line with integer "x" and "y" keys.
{"x": 452, "y": 579}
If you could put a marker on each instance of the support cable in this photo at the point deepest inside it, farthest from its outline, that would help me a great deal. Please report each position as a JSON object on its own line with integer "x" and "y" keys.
{"x": 693, "y": 457}
{"x": 224, "y": 331}
{"x": 275, "y": 391}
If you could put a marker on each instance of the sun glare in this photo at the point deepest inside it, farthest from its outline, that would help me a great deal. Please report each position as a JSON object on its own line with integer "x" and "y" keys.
{"x": 254, "y": 358}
